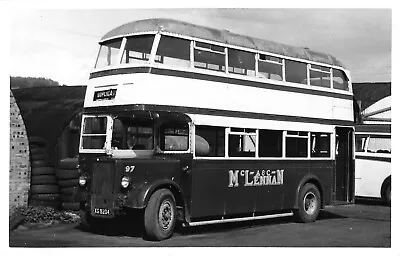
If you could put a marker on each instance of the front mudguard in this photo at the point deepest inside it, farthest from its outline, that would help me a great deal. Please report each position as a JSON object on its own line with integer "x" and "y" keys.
{"x": 138, "y": 197}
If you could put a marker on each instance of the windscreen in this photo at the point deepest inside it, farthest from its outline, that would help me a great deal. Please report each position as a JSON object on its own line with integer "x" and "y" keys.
{"x": 94, "y": 132}
{"x": 132, "y": 134}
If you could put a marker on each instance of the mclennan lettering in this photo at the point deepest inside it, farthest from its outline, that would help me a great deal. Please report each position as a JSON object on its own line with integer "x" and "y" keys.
{"x": 255, "y": 178}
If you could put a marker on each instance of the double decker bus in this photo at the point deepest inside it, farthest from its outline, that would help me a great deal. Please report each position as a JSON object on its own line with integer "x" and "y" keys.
{"x": 193, "y": 125}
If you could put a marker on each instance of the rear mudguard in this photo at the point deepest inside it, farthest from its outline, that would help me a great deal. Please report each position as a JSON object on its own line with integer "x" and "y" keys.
{"x": 310, "y": 178}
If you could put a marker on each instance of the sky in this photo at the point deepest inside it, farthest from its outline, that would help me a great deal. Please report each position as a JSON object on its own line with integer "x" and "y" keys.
{"x": 62, "y": 44}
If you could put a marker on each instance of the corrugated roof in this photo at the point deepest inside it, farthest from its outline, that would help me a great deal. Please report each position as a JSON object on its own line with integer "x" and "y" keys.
{"x": 222, "y": 36}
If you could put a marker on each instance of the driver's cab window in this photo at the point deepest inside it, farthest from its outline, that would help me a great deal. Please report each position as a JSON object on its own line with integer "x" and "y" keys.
{"x": 132, "y": 134}
{"x": 174, "y": 136}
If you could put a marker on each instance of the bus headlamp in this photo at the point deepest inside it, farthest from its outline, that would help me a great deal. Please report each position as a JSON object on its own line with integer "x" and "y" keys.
{"x": 125, "y": 181}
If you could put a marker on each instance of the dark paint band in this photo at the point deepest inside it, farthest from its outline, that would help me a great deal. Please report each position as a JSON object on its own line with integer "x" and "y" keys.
{"x": 217, "y": 112}
{"x": 376, "y": 158}
{"x": 374, "y": 128}
{"x": 213, "y": 78}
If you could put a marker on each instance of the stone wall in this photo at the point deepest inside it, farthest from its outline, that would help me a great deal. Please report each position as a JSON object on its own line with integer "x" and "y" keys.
{"x": 19, "y": 183}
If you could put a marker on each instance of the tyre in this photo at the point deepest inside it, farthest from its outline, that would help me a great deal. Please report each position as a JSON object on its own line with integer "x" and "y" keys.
{"x": 68, "y": 163}
{"x": 309, "y": 202}
{"x": 160, "y": 215}
{"x": 35, "y": 157}
{"x": 68, "y": 183}
{"x": 68, "y": 198}
{"x": 53, "y": 204}
{"x": 37, "y": 151}
{"x": 388, "y": 194}
{"x": 63, "y": 174}
{"x": 41, "y": 163}
{"x": 72, "y": 206}
{"x": 46, "y": 197}
{"x": 44, "y": 189}
{"x": 43, "y": 179}
{"x": 34, "y": 140}
{"x": 42, "y": 171}
{"x": 69, "y": 191}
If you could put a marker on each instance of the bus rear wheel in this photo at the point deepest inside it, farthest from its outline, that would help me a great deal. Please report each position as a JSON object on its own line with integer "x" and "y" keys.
{"x": 388, "y": 194}
{"x": 160, "y": 215}
{"x": 309, "y": 202}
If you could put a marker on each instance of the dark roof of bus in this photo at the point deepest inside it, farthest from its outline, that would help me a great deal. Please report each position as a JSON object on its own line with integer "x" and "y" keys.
{"x": 222, "y": 36}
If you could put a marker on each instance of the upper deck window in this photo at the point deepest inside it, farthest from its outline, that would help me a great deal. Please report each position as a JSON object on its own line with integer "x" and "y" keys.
{"x": 209, "y": 56}
{"x": 340, "y": 80}
{"x": 137, "y": 49}
{"x": 108, "y": 54}
{"x": 320, "y": 76}
{"x": 270, "y": 67}
{"x": 241, "y": 62}
{"x": 296, "y": 72}
{"x": 173, "y": 51}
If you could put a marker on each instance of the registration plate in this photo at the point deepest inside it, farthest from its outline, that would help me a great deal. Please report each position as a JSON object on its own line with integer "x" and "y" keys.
{"x": 102, "y": 211}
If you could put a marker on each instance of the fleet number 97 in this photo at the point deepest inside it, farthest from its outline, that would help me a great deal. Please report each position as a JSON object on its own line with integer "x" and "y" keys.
{"x": 129, "y": 168}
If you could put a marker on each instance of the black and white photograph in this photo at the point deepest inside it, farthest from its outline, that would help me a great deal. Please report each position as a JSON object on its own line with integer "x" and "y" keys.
{"x": 212, "y": 127}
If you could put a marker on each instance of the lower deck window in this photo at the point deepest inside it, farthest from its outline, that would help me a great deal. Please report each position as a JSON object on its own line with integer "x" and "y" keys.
{"x": 360, "y": 143}
{"x": 242, "y": 144}
{"x": 296, "y": 144}
{"x": 210, "y": 141}
{"x": 270, "y": 143}
{"x": 379, "y": 145}
{"x": 320, "y": 145}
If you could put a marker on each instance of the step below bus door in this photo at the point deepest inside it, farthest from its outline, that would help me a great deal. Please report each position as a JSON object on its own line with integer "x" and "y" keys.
{"x": 343, "y": 187}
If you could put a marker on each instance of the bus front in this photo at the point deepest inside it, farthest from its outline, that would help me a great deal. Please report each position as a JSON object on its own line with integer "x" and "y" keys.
{"x": 129, "y": 151}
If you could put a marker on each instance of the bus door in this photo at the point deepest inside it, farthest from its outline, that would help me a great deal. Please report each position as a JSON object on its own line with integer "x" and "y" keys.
{"x": 344, "y": 171}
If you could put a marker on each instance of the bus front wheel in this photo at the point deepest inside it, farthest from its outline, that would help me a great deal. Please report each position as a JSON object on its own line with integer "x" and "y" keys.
{"x": 309, "y": 202}
{"x": 160, "y": 215}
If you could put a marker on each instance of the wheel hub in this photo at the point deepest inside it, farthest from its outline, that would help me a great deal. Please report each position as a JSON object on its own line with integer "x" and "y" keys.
{"x": 310, "y": 203}
{"x": 165, "y": 215}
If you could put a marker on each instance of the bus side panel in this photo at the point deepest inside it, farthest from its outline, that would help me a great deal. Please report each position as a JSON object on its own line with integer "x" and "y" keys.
{"x": 211, "y": 194}
{"x": 370, "y": 175}
{"x": 298, "y": 172}
{"x": 243, "y": 187}
{"x": 324, "y": 171}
